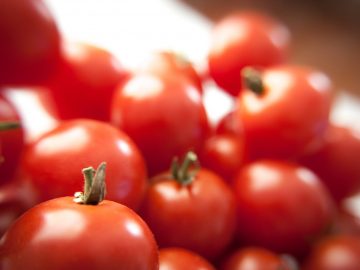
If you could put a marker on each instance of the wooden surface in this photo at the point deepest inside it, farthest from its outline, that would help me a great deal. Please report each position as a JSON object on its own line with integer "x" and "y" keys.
{"x": 326, "y": 33}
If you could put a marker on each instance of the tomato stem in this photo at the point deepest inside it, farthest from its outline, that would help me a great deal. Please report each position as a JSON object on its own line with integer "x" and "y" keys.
{"x": 94, "y": 187}
{"x": 183, "y": 173}
{"x": 6, "y": 125}
{"x": 253, "y": 80}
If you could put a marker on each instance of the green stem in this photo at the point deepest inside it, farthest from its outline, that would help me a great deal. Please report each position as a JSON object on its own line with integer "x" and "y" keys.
{"x": 184, "y": 173}
{"x": 6, "y": 125}
{"x": 94, "y": 187}
{"x": 253, "y": 80}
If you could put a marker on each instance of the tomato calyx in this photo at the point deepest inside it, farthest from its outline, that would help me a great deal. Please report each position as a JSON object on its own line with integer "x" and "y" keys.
{"x": 252, "y": 79}
{"x": 184, "y": 173}
{"x": 6, "y": 125}
{"x": 94, "y": 188}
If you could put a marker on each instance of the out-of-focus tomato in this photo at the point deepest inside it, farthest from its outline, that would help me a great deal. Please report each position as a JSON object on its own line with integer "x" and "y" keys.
{"x": 53, "y": 162}
{"x": 286, "y": 111}
{"x": 163, "y": 114}
{"x": 65, "y": 234}
{"x": 336, "y": 161}
{"x": 85, "y": 82}
{"x": 11, "y": 140}
{"x": 30, "y": 42}
{"x": 337, "y": 252}
{"x": 281, "y": 206}
{"x": 256, "y": 258}
{"x": 179, "y": 258}
{"x": 229, "y": 124}
{"x": 192, "y": 209}
{"x": 245, "y": 39}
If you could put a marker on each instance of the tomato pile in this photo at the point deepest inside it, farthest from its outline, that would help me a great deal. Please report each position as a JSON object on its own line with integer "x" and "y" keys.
{"x": 263, "y": 188}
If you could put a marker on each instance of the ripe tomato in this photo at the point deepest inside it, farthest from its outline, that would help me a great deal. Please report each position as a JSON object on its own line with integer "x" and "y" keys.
{"x": 53, "y": 162}
{"x": 277, "y": 120}
{"x": 30, "y": 44}
{"x": 163, "y": 62}
{"x": 256, "y": 258}
{"x": 190, "y": 209}
{"x": 337, "y": 252}
{"x": 335, "y": 162}
{"x": 179, "y": 258}
{"x": 245, "y": 39}
{"x": 83, "y": 85}
{"x": 164, "y": 115}
{"x": 11, "y": 140}
{"x": 62, "y": 234}
{"x": 281, "y": 206}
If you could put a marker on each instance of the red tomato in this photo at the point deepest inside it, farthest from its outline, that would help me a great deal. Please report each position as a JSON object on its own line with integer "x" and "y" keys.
{"x": 163, "y": 62}
{"x": 53, "y": 162}
{"x": 164, "y": 115}
{"x": 338, "y": 252}
{"x": 245, "y": 39}
{"x": 256, "y": 258}
{"x": 84, "y": 84}
{"x": 63, "y": 234}
{"x": 12, "y": 141}
{"x": 281, "y": 206}
{"x": 288, "y": 115}
{"x": 229, "y": 124}
{"x": 335, "y": 162}
{"x": 30, "y": 44}
{"x": 180, "y": 259}
{"x": 190, "y": 209}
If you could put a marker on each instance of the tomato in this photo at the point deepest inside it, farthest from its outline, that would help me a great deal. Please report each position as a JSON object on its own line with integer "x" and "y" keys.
{"x": 179, "y": 258}
{"x": 190, "y": 209}
{"x": 163, "y": 62}
{"x": 337, "y": 252}
{"x": 30, "y": 44}
{"x": 287, "y": 112}
{"x": 243, "y": 39}
{"x": 335, "y": 162}
{"x": 163, "y": 114}
{"x": 229, "y": 124}
{"x": 224, "y": 154}
{"x": 12, "y": 140}
{"x": 52, "y": 162}
{"x": 63, "y": 234}
{"x": 281, "y": 206}
{"x": 256, "y": 258}
{"x": 84, "y": 84}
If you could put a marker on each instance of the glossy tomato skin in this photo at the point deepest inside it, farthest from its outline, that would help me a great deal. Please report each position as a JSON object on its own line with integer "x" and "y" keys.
{"x": 337, "y": 252}
{"x": 84, "y": 83}
{"x": 30, "y": 46}
{"x": 53, "y": 162}
{"x": 199, "y": 217}
{"x": 245, "y": 39}
{"x": 61, "y": 234}
{"x": 164, "y": 115}
{"x": 258, "y": 258}
{"x": 281, "y": 206}
{"x": 290, "y": 117}
{"x": 335, "y": 162}
{"x": 12, "y": 141}
{"x": 179, "y": 258}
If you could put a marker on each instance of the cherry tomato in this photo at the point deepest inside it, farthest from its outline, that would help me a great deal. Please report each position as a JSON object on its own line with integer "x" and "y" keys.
{"x": 65, "y": 234}
{"x": 245, "y": 39}
{"x": 164, "y": 62}
{"x": 84, "y": 84}
{"x": 335, "y": 162}
{"x": 179, "y": 259}
{"x": 30, "y": 44}
{"x": 12, "y": 141}
{"x": 281, "y": 206}
{"x": 52, "y": 162}
{"x": 286, "y": 113}
{"x": 164, "y": 115}
{"x": 338, "y": 252}
{"x": 190, "y": 209}
{"x": 256, "y": 258}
